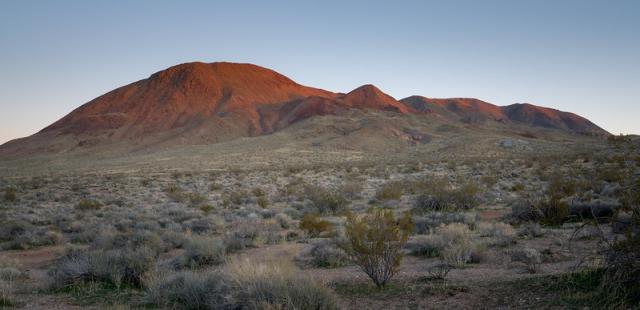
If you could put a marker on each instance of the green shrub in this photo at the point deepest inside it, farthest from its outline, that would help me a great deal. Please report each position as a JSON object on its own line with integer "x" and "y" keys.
{"x": 10, "y": 194}
{"x": 554, "y": 211}
{"x": 390, "y": 191}
{"x": 375, "y": 242}
{"x": 263, "y": 202}
{"x": 313, "y": 225}
{"x": 89, "y": 204}
{"x": 258, "y": 192}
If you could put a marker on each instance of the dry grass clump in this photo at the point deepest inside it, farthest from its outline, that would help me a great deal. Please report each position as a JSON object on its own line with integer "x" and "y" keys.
{"x": 502, "y": 234}
{"x": 188, "y": 290}
{"x": 276, "y": 286}
{"x": 530, "y": 230}
{"x": 9, "y": 273}
{"x": 117, "y": 267}
{"x": 453, "y": 243}
{"x": 429, "y": 221}
{"x": 531, "y": 258}
{"x": 326, "y": 254}
{"x": 22, "y": 235}
{"x": 203, "y": 251}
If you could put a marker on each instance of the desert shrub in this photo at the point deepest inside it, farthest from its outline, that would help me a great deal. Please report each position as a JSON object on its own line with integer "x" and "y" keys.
{"x": 530, "y": 230}
{"x": 531, "y": 258}
{"x": 276, "y": 286}
{"x": 188, "y": 290}
{"x": 554, "y": 212}
{"x": 263, "y": 202}
{"x": 292, "y": 213}
{"x": 117, "y": 267}
{"x": 203, "y": 251}
{"x": 390, "y": 191}
{"x": 466, "y": 196}
{"x": 206, "y": 208}
{"x": 196, "y": 199}
{"x": 489, "y": 180}
{"x": 560, "y": 187}
{"x": 236, "y": 197}
{"x": 10, "y": 194}
{"x": 429, "y": 202}
{"x": 328, "y": 255}
{"x": 175, "y": 193}
{"x": 283, "y": 220}
{"x": 325, "y": 200}
{"x": 548, "y": 211}
{"x": 502, "y": 234}
{"x": 249, "y": 233}
{"x": 453, "y": 233}
{"x": 352, "y": 189}
{"x": 451, "y": 242}
{"x": 22, "y": 235}
{"x": 89, "y": 204}
{"x": 518, "y": 187}
{"x": 313, "y": 225}
{"x": 458, "y": 254}
{"x": 439, "y": 271}
{"x": 428, "y": 246}
{"x": 423, "y": 224}
{"x": 375, "y": 241}
{"x": 258, "y": 192}
{"x": 438, "y": 196}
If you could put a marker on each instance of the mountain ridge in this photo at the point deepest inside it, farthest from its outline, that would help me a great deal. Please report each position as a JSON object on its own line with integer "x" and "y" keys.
{"x": 204, "y": 103}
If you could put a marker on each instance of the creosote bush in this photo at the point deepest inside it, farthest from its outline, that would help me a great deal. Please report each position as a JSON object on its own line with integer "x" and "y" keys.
{"x": 313, "y": 225}
{"x": 89, "y": 204}
{"x": 390, "y": 191}
{"x": 10, "y": 194}
{"x": 374, "y": 242}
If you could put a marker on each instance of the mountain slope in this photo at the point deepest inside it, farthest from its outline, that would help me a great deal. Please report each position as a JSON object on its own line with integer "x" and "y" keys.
{"x": 207, "y": 103}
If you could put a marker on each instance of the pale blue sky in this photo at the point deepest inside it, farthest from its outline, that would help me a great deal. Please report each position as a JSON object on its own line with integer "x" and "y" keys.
{"x": 578, "y": 56}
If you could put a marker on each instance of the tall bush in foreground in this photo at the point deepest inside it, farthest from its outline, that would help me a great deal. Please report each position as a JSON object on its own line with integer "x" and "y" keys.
{"x": 374, "y": 242}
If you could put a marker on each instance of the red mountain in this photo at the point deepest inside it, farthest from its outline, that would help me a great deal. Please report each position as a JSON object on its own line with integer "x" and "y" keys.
{"x": 465, "y": 109}
{"x": 199, "y": 103}
{"x": 536, "y": 116}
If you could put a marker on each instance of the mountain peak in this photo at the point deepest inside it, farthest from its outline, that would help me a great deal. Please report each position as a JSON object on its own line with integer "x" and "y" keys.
{"x": 369, "y": 96}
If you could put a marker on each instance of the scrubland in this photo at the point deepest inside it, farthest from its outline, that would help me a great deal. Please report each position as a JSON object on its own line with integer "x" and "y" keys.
{"x": 522, "y": 232}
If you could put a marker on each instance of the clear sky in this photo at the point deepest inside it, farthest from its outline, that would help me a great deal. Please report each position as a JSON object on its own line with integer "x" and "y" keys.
{"x": 578, "y": 56}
